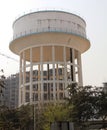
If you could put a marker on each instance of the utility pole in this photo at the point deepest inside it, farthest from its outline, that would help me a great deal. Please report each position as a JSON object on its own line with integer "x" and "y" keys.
{"x": 34, "y": 118}
{"x": 34, "y": 113}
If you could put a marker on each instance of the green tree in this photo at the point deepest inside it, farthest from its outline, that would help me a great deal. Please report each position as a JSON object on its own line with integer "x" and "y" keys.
{"x": 8, "y": 119}
{"x": 54, "y": 113}
{"x": 101, "y": 105}
{"x": 25, "y": 117}
{"x": 2, "y": 81}
{"x": 2, "y": 85}
{"x": 82, "y": 99}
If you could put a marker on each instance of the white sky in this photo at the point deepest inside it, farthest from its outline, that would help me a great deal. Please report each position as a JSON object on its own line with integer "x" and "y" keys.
{"x": 94, "y": 12}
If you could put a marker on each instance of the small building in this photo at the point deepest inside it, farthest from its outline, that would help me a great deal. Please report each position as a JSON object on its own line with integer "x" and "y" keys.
{"x": 11, "y": 91}
{"x": 105, "y": 87}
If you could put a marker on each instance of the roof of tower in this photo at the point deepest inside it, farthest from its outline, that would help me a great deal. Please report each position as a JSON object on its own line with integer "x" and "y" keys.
{"x": 43, "y": 11}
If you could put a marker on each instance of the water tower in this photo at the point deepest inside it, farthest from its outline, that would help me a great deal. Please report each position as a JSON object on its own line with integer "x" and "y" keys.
{"x": 50, "y": 44}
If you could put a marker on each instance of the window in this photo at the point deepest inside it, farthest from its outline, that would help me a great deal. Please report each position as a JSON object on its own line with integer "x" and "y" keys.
{"x": 60, "y": 96}
{"x": 60, "y": 71}
{"x": 51, "y": 86}
{"x": 35, "y": 96}
{"x": 44, "y": 73}
{"x": 45, "y": 86}
{"x": 60, "y": 86}
{"x": 27, "y": 87}
{"x": 51, "y": 72}
{"x": 27, "y": 97}
{"x": 45, "y": 96}
{"x": 35, "y": 87}
{"x": 51, "y": 96}
{"x": 56, "y": 86}
{"x": 27, "y": 77}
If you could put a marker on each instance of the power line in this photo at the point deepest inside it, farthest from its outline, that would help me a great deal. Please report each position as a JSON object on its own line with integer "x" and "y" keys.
{"x": 8, "y": 57}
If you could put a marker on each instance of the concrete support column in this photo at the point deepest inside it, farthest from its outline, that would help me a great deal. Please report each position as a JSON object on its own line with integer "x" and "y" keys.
{"x": 24, "y": 71}
{"x": 73, "y": 63}
{"x": 65, "y": 71}
{"x": 57, "y": 78}
{"x": 80, "y": 80}
{"x": 31, "y": 68}
{"x": 20, "y": 74}
{"x": 41, "y": 71}
{"x": 53, "y": 61}
{"x": 39, "y": 84}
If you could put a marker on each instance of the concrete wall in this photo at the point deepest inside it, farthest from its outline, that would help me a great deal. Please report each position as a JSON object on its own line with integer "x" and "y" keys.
{"x": 47, "y": 20}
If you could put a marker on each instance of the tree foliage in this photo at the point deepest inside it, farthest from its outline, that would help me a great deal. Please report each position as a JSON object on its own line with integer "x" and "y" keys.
{"x": 54, "y": 113}
{"x": 101, "y": 105}
{"x": 81, "y": 99}
{"x": 83, "y": 104}
{"x": 88, "y": 103}
{"x": 8, "y": 119}
{"x": 2, "y": 81}
{"x": 25, "y": 116}
{"x": 12, "y": 119}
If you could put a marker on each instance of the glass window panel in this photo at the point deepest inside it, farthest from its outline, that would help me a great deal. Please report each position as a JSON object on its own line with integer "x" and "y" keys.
{"x": 45, "y": 86}
{"x": 35, "y": 96}
{"x": 27, "y": 74}
{"x": 35, "y": 87}
{"x": 61, "y": 96}
{"x": 51, "y": 85}
{"x": 27, "y": 87}
{"x": 45, "y": 70}
{"x": 56, "y": 86}
{"x": 59, "y": 71}
{"x": 45, "y": 96}
{"x": 51, "y": 96}
{"x": 27, "y": 97}
{"x": 60, "y": 86}
{"x": 35, "y": 72}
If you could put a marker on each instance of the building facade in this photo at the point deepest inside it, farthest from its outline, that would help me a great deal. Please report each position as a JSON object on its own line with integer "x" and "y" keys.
{"x": 11, "y": 91}
{"x": 105, "y": 87}
{"x": 50, "y": 44}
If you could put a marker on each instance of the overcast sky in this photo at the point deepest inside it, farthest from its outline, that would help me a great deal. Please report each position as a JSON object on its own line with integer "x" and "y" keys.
{"x": 94, "y": 12}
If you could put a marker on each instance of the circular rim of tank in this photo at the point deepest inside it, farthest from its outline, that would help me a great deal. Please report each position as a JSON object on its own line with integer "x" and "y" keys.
{"x": 44, "y": 11}
{"x": 37, "y": 39}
